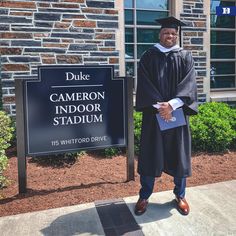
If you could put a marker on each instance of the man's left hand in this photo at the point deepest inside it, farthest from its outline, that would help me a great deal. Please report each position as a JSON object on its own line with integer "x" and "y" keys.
{"x": 165, "y": 111}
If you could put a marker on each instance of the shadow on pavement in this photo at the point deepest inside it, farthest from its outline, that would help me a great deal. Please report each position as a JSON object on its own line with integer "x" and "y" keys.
{"x": 76, "y": 223}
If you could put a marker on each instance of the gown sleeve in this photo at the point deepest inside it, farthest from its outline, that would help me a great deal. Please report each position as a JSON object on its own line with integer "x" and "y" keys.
{"x": 187, "y": 88}
{"x": 147, "y": 94}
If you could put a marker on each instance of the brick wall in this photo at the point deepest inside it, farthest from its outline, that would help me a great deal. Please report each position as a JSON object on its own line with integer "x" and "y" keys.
{"x": 193, "y": 16}
{"x": 43, "y": 32}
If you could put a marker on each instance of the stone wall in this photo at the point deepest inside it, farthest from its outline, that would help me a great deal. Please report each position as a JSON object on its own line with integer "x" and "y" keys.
{"x": 193, "y": 15}
{"x": 40, "y": 32}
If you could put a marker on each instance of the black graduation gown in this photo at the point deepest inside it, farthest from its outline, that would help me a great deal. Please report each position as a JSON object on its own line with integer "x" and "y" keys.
{"x": 162, "y": 77}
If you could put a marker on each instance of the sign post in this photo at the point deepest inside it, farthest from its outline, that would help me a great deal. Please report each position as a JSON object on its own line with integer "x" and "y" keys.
{"x": 71, "y": 108}
{"x": 20, "y": 133}
{"x": 130, "y": 129}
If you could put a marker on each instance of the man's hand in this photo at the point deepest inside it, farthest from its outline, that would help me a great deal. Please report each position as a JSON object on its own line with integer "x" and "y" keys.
{"x": 165, "y": 111}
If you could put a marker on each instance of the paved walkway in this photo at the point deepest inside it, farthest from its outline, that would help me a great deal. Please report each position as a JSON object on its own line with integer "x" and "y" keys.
{"x": 213, "y": 212}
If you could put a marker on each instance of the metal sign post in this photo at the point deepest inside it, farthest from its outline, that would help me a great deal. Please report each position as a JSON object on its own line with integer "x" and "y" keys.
{"x": 20, "y": 134}
{"x": 130, "y": 128}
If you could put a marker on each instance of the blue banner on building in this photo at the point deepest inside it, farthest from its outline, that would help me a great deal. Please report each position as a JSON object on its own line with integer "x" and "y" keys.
{"x": 74, "y": 108}
{"x": 226, "y": 11}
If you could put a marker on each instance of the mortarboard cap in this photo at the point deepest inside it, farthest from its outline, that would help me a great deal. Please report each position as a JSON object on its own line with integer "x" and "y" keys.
{"x": 171, "y": 22}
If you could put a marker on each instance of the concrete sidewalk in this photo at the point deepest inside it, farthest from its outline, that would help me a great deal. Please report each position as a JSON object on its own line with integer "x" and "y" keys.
{"x": 213, "y": 212}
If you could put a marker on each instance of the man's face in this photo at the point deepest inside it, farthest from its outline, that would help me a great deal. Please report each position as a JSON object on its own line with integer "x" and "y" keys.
{"x": 168, "y": 37}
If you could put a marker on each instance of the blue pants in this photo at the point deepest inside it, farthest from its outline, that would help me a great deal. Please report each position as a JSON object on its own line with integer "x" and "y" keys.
{"x": 147, "y": 184}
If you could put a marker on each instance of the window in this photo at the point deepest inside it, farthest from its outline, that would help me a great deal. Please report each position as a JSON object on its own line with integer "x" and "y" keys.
{"x": 141, "y": 30}
{"x": 223, "y": 48}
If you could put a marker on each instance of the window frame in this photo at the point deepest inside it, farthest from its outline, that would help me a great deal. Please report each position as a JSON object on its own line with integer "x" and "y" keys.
{"x": 135, "y": 26}
{"x": 212, "y": 60}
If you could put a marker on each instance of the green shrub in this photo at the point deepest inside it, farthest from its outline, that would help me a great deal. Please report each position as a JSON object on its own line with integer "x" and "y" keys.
{"x": 214, "y": 128}
{"x": 137, "y": 131}
{"x": 3, "y": 166}
{"x": 233, "y": 125}
{"x": 110, "y": 152}
{"x": 5, "y": 136}
{"x": 57, "y": 160}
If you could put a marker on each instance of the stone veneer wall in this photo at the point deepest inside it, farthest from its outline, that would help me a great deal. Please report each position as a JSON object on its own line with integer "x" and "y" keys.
{"x": 40, "y": 32}
{"x": 193, "y": 15}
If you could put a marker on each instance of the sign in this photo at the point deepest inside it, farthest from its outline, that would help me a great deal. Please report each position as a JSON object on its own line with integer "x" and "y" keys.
{"x": 226, "y": 11}
{"x": 73, "y": 108}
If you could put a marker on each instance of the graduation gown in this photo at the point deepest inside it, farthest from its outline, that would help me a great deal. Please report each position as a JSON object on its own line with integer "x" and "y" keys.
{"x": 162, "y": 77}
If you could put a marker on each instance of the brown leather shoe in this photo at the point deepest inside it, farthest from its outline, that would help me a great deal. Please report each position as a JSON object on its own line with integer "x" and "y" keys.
{"x": 182, "y": 205}
{"x": 140, "y": 207}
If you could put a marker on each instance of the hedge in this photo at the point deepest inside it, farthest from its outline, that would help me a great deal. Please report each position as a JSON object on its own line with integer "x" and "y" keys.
{"x": 212, "y": 130}
{"x": 6, "y": 131}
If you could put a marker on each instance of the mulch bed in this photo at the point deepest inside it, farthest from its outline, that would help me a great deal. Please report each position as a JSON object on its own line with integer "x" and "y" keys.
{"x": 92, "y": 177}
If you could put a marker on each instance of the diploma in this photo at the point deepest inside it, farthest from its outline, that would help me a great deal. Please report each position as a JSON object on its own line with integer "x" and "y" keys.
{"x": 178, "y": 119}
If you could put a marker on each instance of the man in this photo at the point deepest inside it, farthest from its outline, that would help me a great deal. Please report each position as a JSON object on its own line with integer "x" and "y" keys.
{"x": 166, "y": 82}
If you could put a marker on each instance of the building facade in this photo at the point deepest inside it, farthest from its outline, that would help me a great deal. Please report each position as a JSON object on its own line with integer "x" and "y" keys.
{"x": 117, "y": 32}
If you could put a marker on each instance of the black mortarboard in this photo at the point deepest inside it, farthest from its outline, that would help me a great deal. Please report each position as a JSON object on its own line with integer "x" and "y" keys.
{"x": 171, "y": 22}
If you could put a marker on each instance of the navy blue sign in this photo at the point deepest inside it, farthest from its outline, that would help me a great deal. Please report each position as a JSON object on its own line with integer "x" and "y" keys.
{"x": 74, "y": 107}
{"x": 226, "y": 11}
